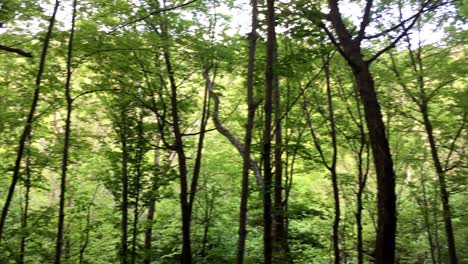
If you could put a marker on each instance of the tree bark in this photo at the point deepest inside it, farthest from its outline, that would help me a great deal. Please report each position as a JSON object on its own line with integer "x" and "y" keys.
{"x": 350, "y": 48}
{"x": 66, "y": 143}
{"x": 386, "y": 197}
{"x": 152, "y": 207}
{"x": 29, "y": 121}
{"x": 123, "y": 127}
{"x": 186, "y": 257}
{"x": 332, "y": 167}
{"x": 137, "y": 184}
{"x": 242, "y": 231}
{"x": 25, "y": 215}
{"x": 280, "y": 243}
{"x": 444, "y": 195}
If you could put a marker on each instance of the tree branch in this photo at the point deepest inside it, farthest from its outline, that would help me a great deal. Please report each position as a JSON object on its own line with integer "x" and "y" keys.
{"x": 151, "y": 14}
{"x": 365, "y": 21}
{"x": 16, "y": 50}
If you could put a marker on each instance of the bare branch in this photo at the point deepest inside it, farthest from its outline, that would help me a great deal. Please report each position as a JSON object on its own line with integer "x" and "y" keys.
{"x": 365, "y": 20}
{"x": 152, "y": 14}
{"x": 16, "y": 50}
{"x": 415, "y": 18}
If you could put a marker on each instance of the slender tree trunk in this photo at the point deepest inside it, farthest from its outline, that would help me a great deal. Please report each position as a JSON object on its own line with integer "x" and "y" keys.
{"x": 137, "y": 186}
{"x": 68, "y": 232}
{"x": 267, "y": 134}
{"x": 207, "y": 219}
{"x": 29, "y": 121}
{"x": 423, "y": 102}
{"x": 427, "y": 223}
{"x": 280, "y": 244}
{"x": 332, "y": 168}
{"x": 24, "y": 217}
{"x": 362, "y": 178}
{"x": 85, "y": 244}
{"x": 444, "y": 195}
{"x": 66, "y": 144}
{"x": 242, "y": 231}
{"x": 124, "y": 180}
{"x": 152, "y": 207}
{"x": 186, "y": 257}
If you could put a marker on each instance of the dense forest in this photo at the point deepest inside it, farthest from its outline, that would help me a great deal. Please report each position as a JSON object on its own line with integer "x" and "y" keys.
{"x": 207, "y": 131}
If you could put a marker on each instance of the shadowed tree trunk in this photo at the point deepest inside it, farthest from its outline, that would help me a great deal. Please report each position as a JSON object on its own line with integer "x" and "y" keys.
{"x": 29, "y": 120}
{"x": 422, "y": 100}
{"x": 361, "y": 153}
{"x": 137, "y": 184}
{"x": 25, "y": 215}
{"x": 267, "y": 132}
{"x": 152, "y": 207}
{"x": 329, "y": 165}
{"x": 349, "y": 46}
{"x": 66, "y": 144}
{"x": 280, "y": 243}
{"x": 242, "y": 231}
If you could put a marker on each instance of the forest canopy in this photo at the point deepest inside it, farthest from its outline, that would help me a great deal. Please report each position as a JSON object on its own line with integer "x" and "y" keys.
{"x": 206, "y": 131}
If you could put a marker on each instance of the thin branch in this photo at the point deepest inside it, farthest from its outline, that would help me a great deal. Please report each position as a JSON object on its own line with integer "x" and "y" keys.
{"x": 334, "y": 41}
{"x": 452, "y": 145}
{"x": 16, "y": 50}
{"x": 151, "y": 14}
{"x": 406, "y": 29}
{"x": 94, "y": 91}
{"x": 365, "y": 20}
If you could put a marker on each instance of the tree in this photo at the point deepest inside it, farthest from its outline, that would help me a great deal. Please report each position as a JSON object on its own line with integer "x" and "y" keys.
{"x": 28, "y": 126}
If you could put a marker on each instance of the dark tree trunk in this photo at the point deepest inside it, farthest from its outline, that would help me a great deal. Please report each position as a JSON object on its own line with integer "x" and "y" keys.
{"x": 29, "y": 121}
{"x": 151, "y": 207}
{"x": 85, "y": 243}
{"x": 362, "y": 178}
{"x": 332, "y": 167}
{"x": 137, "y": 185}
{"x": 444, "y": 195}
{"x": 186, "y": 257}
{"x": 329, "y": 165}
{"x": 280, "y": 244}
{"x": 24, "y": 217}
{"x": 422, "y": 101}
{"x": 427, "y": 223}
{"x": 123, "y": 127}
{"x": 386, "y": 197}
{"x": 66, "y": 144}
{"x": 350, "y": 49}
{"x": 242, "y": 231}
{"x": 267, "y": 133}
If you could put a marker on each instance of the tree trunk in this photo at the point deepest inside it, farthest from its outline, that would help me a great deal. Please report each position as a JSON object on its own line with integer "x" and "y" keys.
{"x": 424, "y": 210}
{"x": 124, "y": 180}
{"x": 332, "y": 168}
{"x": 266, "y": 154}
{"x": 151, "y": 207}
{"x": 186, "y": 257}
{"x": 242, "y": 231}
{"x": 85, "y": 243}
{"x": 386, "y": 197}
{"x": 139, "y": 160}
{"x": 66, "y": 144}
{"x": 280, "y": 244}
{"x": 444, "y": 195}
{"x": 29, "y": 121}
{"x": 350, "y": 48}
{"x": 24, "y": 217}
